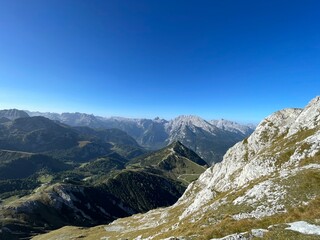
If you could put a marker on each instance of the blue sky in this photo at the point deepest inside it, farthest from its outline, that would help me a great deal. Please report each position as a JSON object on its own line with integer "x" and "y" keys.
{"x": 239, "y": 60}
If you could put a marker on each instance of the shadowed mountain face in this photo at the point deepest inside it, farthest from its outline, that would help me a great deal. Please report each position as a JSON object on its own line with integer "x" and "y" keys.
{"x": 209, "y": 139}
{"x": 39, "y": 135}
{"x": 13, "y": 114}
{"x": 25, "y": 166}
{"x": 36, "y": 134}
{"x": 175, "y": 161}
{"x": 51, "y": 207}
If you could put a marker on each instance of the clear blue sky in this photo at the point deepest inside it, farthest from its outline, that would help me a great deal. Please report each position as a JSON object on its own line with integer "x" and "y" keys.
{"x": 239, "y": 60}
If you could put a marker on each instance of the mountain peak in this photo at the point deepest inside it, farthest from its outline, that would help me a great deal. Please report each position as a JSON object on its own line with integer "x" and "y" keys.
{"x": 176, "y": 143}
{"x": 175, "y": 151}
{"x": 13, "y": 114}
{"x": 232, "y": 126}
{"x": 314, "y": 101}
{"x": 192, "y": 121}
{"x": 189, "y": 118}
{"x": 309, "y": 117}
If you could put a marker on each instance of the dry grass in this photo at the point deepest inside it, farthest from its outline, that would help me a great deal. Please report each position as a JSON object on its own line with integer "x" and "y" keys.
{"x": 228, "y": 226}
{"x": 82, "y": 144}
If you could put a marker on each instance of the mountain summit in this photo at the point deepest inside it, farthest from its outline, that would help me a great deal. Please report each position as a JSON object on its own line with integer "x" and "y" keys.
{"x": 13, "y": 114}
{"x": 266, "y": 186}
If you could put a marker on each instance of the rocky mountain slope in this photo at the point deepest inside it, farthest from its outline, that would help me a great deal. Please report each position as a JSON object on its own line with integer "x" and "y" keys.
{"x": 209, "y": 139}
{"x": 267, "y": 186}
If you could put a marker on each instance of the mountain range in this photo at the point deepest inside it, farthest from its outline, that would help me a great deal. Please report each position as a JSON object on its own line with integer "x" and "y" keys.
{"x": 94, "y": 169}
{"x": 209, "y": 139}
{"x": 52, "y": 175}
{"x": 266, "y": 187}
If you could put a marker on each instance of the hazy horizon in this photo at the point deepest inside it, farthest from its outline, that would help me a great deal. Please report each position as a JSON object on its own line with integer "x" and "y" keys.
{"x": 129, "y": 117}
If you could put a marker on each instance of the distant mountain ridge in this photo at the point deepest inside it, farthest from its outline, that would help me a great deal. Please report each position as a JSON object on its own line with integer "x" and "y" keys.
{"x": 13, "y": 114}
{"x": 209, "y": 139}
{"x": 42, "y": 135}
